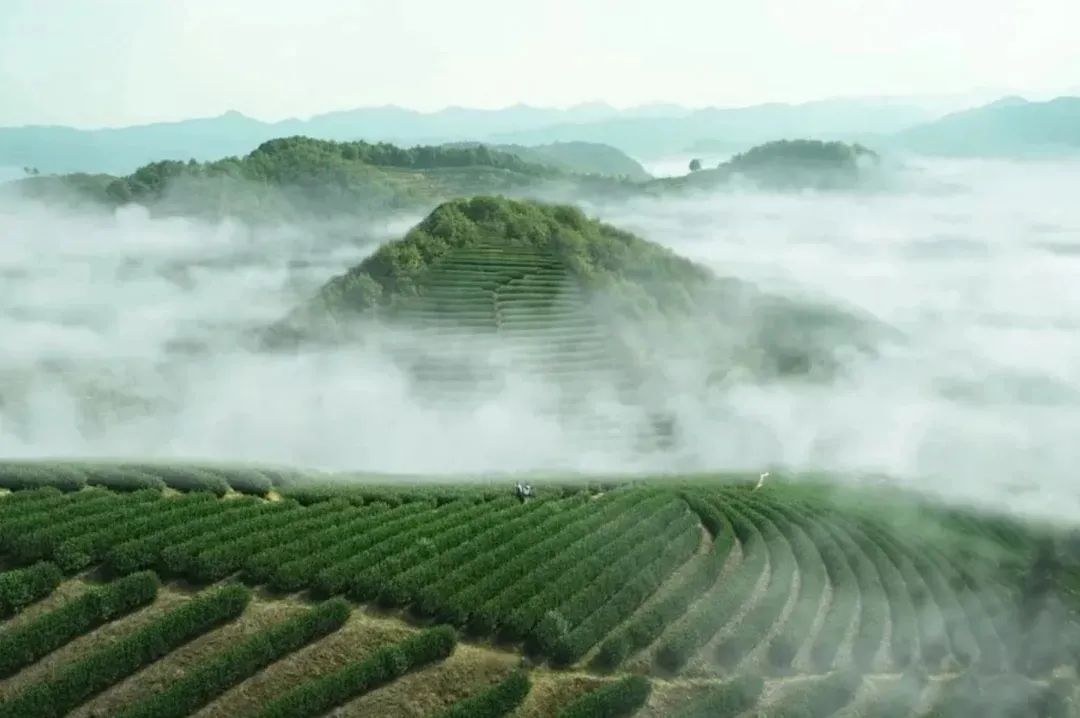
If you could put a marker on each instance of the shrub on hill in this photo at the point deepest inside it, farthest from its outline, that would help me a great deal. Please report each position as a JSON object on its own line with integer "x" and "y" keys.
{"x": 615, "y": 700}
{"x": 385, "y": 665}
{"x": 16, "y": 476}
{"x": 76, "y": 681}
{"x": 204, "y": 683}
{"x": 23, "y": 586}
{"x": 22, "y": 645}
{"x": 499, "y": 700}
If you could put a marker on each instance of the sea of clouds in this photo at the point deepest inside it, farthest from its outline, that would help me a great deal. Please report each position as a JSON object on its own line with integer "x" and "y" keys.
{"x": 126, "y": 335}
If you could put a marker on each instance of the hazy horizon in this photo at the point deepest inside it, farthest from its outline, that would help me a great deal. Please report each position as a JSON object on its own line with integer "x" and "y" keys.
{"x": 935, "y": 105}
{"x": 200, "y": 59}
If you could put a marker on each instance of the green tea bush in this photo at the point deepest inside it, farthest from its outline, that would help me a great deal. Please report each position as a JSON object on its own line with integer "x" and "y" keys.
{"x": 495, "y": 702}
{"x": 22, "y": 645}
{"x": 222, "y": 671}
{"x": 77, "y": 681}
{"x": 22, "y": 586}
{"x": 322, "y": 694}
{"x": 616, "y": 700}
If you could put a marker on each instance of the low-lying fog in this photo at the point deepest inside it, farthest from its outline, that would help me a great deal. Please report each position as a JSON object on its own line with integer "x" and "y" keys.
{"x": 120, "y": 337}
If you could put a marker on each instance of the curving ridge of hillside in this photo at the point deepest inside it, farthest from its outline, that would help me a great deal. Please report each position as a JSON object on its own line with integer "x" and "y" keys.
{"x": 129, "y": 589}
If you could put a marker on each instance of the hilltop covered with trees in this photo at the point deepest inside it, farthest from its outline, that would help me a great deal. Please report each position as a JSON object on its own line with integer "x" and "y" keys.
{"x": 651, "y": 298}
{"x": 297, "y": 177}
{"x": 300, "y": 176}
{"x": 807, "y": 153}
{"x": 589, "y": 158}
{"x": 599, "y": 255}
{"x": 787, "y": 164}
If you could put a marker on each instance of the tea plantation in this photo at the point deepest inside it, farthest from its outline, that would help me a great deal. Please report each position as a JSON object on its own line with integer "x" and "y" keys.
{"x": 144, "y": 589}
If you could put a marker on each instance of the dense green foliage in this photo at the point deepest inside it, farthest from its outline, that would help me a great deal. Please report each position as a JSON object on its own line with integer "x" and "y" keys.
{"x": 569, "y": 299}
{"x": 646, "y": 626}
{"x": 22, "y": 476}
{"x": 619, "y": 699}
{"x": 783, "y": 165}
{"x": 706, "y": 617}
{"x": 320, "y": 695}
{"x": 75, "y": 682}
{"x": 25, "y": 644}
{"x": 497, "y": 701}
{"x": 74, "y": 475}
{"x": 211, "y": 679}
{"x": 693, "y": 576}
{"x": 589, "y": 158}
{"x": 44, "y": 541}
{"x": 23, "y": 586}
{"x": 800, "y": 153}
{"x": 599, "y": 255}
{"x": 300, "y": 176}
{"x": 86, "y": 548}
{"x": 310, "y": 165}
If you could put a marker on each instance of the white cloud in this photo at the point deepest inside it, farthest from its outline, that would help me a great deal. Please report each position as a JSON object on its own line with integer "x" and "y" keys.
{"x": 120, "y": 337}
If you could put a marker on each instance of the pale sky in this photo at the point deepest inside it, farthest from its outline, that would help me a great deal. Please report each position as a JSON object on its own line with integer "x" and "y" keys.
{"x": 114, "y": 62}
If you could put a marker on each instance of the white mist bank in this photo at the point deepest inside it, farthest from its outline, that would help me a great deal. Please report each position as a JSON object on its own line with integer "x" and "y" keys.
{"x": 121, "y": 338}
{"x": 975, "y": 263}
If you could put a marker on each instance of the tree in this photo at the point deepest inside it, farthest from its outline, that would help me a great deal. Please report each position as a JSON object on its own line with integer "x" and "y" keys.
{"x": 695, "y": 164}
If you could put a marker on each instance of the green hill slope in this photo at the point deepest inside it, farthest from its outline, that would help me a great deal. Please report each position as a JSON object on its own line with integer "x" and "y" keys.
{"x": 577, "y": 157}
{"x": 509, "y": 269}
{"x": 855, "y": 599}
{"x": 297, "y": 177}
{"x": 785, "y": 165}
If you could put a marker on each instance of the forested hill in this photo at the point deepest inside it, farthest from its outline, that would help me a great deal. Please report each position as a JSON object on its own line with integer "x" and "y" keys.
{"x": 577, "y": 157}
{"x": 495, "y": 265}
{"x": 301, "y": 176}
{"x": 788, "y": 164}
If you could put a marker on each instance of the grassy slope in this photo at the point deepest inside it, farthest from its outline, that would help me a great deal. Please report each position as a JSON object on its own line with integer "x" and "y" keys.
{"x": 956, "y": 542}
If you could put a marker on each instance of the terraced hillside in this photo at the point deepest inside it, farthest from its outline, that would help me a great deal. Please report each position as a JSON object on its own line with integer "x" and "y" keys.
{"x": 142, "y": 589}
{"x": 492, "y": 310}
{"x": 534, "y": 285}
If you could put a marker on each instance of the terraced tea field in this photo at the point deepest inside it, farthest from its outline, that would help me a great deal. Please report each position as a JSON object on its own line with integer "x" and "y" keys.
{"x": 520, "y": 302}
{"x": 494, "y": 313}
{"x": 144, "y": 589}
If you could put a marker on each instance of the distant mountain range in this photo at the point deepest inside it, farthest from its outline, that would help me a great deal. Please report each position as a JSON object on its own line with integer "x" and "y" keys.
{"x": 122, "y": 150}
{"x": 1008, "y": 127}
